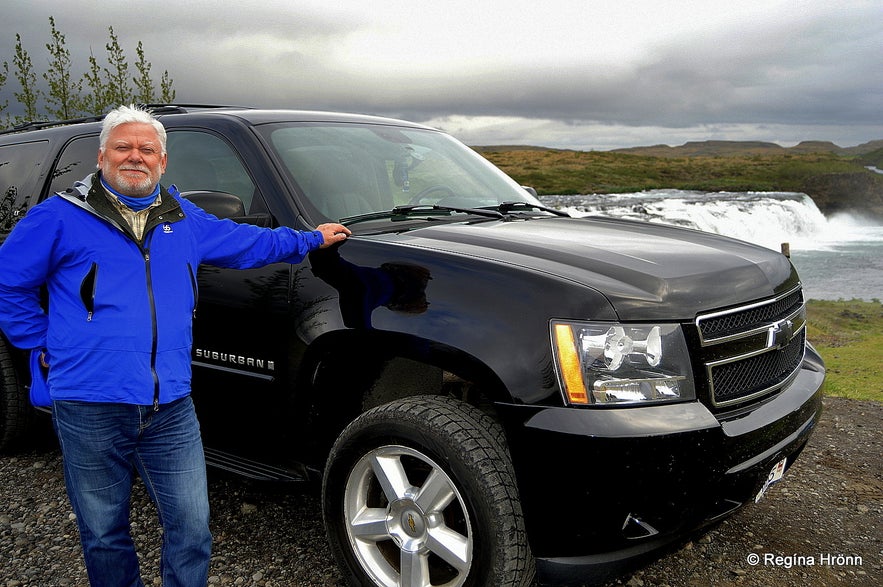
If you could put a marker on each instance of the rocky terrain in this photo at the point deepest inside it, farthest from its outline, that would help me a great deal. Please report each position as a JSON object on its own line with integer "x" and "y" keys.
{"x": 819, "y": 527}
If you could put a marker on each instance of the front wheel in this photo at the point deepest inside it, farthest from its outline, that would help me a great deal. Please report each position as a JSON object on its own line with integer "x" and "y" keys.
{"x": 421, "y": 491}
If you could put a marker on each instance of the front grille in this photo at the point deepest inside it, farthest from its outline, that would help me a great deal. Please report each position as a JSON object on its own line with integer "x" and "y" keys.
{"x": 736, "y": 322}
{"x": 750, "y": 377}
{"x": 754, "y": 350}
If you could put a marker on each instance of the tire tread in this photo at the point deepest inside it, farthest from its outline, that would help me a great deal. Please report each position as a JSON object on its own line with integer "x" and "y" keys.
{"x": 480, "y": 442}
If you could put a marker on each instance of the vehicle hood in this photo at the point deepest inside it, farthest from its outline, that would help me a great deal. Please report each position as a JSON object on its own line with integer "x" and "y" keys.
{"x": 647, "y": 271}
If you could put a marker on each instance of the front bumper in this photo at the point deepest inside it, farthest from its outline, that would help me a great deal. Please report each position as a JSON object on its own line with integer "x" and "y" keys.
{"x": 603, "y": 488}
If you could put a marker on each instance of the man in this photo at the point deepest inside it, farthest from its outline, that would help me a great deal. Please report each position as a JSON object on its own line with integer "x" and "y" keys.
{"x": 118, "y": 255}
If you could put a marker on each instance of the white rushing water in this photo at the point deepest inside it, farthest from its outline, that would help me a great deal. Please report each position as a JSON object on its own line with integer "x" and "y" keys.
{"x": 837, "y": 257}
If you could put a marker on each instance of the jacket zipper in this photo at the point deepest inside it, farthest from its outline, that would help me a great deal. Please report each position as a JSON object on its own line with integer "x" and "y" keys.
{"x": 145, "y": 252}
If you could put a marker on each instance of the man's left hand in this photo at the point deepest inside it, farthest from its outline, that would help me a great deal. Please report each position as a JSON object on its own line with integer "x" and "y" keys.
{"x": 333, "y": 233}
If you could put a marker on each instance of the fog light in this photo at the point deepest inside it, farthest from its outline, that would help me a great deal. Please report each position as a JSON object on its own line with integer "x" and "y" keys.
{"x": 636, "y": 390}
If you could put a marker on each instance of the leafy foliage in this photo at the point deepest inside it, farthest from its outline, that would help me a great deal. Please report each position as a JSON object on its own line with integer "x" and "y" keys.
{"x": 101, "y": 87}
{"x": 27, "y": 79}
{"x": 63, "y": 91}
{"x": 117, "y": 75}
{"x": 144, "y": 86}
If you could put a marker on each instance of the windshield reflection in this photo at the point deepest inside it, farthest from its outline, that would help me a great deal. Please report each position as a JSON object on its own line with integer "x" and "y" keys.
{"x": 347, "y": 170}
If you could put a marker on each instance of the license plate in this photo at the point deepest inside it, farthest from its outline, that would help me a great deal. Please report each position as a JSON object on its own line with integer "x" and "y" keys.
{"x": 776, "y": 474}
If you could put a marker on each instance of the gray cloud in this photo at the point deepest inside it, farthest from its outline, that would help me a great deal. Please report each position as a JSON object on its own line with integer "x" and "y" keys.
{"x": 797, "y": 72}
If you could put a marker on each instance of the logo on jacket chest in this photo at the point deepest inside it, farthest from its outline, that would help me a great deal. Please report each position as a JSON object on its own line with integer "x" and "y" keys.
{"x": 167, "y": 228}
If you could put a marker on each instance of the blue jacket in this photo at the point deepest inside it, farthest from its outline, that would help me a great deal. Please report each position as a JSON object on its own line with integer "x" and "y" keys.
{"x": 119, "y": 320}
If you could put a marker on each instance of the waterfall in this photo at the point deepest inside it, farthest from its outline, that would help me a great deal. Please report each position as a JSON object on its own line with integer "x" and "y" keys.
{"x": 764, "y": 218}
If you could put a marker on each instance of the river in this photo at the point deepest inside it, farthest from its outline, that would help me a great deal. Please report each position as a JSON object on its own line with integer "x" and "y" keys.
{"x": 838, "y": 257}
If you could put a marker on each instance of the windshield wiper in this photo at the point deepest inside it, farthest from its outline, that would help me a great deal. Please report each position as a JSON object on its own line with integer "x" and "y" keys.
{"x": 402, "y": 212}
{"x": 423, "y": 208}
{"x": 507, "y": 207}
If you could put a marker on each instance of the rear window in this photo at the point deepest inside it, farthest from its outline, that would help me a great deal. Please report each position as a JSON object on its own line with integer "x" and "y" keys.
{"x": 19, "y": 171}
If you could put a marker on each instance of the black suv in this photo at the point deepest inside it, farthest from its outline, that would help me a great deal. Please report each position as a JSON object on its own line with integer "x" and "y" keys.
{"x": 486, "y": 388}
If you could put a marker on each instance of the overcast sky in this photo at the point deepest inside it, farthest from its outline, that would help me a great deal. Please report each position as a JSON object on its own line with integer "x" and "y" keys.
{"x": 580, "y": 74}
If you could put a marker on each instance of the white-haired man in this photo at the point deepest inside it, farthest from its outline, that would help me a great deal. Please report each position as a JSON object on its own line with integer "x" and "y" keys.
{"x": 118, "y": 255}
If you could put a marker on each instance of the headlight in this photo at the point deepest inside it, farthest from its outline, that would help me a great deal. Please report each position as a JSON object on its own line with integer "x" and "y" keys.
{"x": 611, "y": 364}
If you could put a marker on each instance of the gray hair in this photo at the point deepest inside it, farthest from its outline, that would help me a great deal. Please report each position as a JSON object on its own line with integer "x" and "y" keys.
{"x": 127, "y": 114}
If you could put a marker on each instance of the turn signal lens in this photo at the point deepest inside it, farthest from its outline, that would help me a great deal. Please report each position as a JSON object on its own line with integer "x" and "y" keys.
{"x": 569, "y": 365}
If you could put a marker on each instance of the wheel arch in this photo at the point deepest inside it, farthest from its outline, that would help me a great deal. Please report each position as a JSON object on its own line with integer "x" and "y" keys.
{"x": 347, "y": 372}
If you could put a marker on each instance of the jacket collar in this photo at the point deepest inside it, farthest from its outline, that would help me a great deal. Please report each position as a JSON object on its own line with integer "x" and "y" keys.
{"x": 93, "y": 198}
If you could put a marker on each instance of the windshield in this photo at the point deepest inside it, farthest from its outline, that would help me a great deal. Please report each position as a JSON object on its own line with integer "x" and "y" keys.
{"x": 347, "y": 170}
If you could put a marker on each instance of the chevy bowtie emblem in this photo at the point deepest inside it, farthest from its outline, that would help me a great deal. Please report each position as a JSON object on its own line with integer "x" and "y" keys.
{"x": 780, "y": 334}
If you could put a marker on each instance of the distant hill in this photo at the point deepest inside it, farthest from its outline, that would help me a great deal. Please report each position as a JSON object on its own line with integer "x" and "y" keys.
{"x": 707, "y": 149}
{"x": 717, "y": 149}
{"x": 739, "y": 148}
{"x": 865, "y": 148}
{"x": 874, "y": 158}
{"x": 507, "y": 148}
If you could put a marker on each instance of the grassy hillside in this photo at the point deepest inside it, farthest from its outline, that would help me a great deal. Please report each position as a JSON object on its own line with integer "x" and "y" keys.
{"x": 849, "y": 336}
{"x": 583, "y": 172}
{"x": 835, "y": 182}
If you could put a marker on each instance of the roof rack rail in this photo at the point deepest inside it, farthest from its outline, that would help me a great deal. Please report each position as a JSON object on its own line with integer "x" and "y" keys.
{"x": 38, "y": 124}
{"x": 184, "y": 108}
{"x": 157, "y": 109}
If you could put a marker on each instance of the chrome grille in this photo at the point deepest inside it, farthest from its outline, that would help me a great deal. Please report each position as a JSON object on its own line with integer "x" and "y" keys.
{"x": 720, "y": 325}
{"x": 753, "y": 350}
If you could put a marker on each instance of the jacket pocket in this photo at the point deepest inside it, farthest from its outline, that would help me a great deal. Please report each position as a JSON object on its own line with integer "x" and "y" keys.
{"x": 87, "y": 291}
{"x": 39, "y": 391}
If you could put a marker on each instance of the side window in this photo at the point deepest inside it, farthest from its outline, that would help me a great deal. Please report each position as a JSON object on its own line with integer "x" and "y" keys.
{"x": 78, "y": 159}
{"x": 203, "y": 161}
{"x": 19, "y": 166}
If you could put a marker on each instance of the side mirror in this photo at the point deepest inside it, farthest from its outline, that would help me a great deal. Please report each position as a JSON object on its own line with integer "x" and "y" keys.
{"x": 221, "y": 204}
{"x": 532, "y": 191}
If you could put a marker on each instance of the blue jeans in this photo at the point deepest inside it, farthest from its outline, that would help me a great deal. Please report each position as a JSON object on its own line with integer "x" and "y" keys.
{"x": 103, "y": 444}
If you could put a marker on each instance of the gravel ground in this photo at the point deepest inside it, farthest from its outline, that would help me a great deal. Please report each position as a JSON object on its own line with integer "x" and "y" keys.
{"x": 819, "y": 527}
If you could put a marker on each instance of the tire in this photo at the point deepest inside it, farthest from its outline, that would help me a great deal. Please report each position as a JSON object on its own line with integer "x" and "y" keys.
{"x": 421, "y": 491}
{"x": 16, "y": 413}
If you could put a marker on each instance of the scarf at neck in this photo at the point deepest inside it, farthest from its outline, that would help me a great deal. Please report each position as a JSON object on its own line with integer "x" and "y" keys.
{"x": 136, "y": 204}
